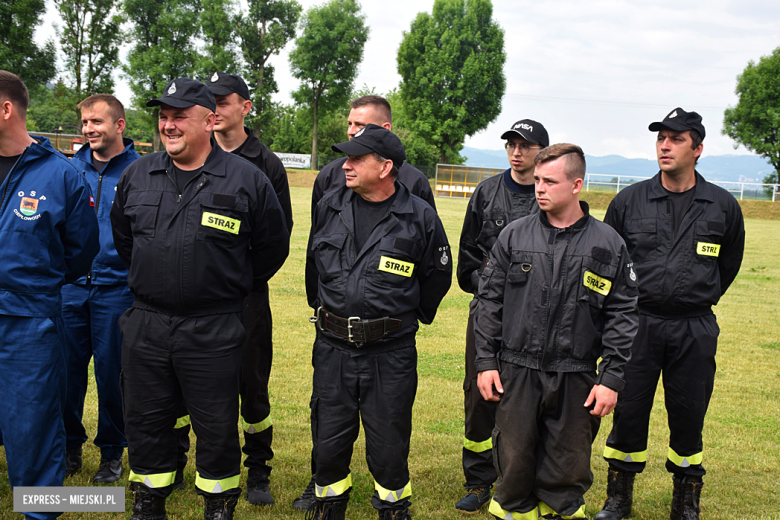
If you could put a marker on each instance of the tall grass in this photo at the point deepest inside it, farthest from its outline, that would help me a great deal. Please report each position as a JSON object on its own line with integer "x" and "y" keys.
{"x": 741, "y": 436}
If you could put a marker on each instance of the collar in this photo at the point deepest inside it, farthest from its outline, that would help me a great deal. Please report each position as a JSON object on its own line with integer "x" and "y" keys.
{"x": 574, "y": 227}
{"x": 251, "y": 145}
{"x": 342, "y": 198}
{"x": 701, "y": 191}
{"x": 84, "y": 153}
{"x": 215, "y": 163}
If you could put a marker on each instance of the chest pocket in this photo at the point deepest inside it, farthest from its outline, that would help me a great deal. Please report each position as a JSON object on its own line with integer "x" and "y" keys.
{"x": 520, "y": 266}
{"x": 641, "y": 239}
{"x": 493, "y": 224}
{"x": 328, "y": 251}
{"x": 222, "y": 217}
{"x": 142, "y": 208}
{"x": 393, "y": 265}
{"x": 707, "y": 236}
{"x": 596, "y": 282}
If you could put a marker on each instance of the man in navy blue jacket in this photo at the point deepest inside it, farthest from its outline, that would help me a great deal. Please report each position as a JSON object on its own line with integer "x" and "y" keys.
{"x": 91, "y": 307}
{"x": 50, "y": 235}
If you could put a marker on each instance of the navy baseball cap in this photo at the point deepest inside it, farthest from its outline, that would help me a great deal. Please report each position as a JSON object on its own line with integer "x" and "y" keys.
{"x": 223, "y": 84}
{"x": 530, "y": 130}
{"x": 184, "y": 93}
{"x": 373, "y": 138}
{"x": 679, "y": 120}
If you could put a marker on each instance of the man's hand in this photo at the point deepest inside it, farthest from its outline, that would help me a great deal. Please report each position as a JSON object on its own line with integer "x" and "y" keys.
{"x": 605, "y": 399}
{"x": 486, "y": 381}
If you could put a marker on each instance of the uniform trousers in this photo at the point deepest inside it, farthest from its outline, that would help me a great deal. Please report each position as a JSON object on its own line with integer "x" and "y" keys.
{"x": 542, "y": 442}
{"x": 91, "y": 314}
{"x": 255, "y": 403}
{"x": 480, "y": 418}
{"x": 32, "y": 391}
{"x": 683, "y": 350}
{"x": 379, "y": 389}
{"x": 167, "y": 360}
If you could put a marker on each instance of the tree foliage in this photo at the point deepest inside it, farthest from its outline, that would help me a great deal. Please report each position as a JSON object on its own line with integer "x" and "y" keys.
{"x": 52, "y": 108}
{"x": 451, "y": 66}
{"x": 755, "y": 121}
{"x": 264, "y": 31}
{"x": 163, "y": 32}
{"x": 218, "y": 25}
{"x": 326, "y": 57}
{"x": 90, "y": 38}
{"x": 18, "y": 51}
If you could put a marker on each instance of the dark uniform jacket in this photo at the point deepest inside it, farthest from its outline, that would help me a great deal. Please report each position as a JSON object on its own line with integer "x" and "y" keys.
{"x": 403, "y": 271}
{"x": 558, "y": 299}
{"x": 261, "y": 156}
{"x": 492, "y": 206}
{"x": 332, "y": 177}
{"x": 687, "y": 273}
{"x": 203, "y": 251}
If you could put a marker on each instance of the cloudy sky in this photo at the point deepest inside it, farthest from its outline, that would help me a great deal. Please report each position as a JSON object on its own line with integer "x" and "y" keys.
{"x": 594, "y": 73}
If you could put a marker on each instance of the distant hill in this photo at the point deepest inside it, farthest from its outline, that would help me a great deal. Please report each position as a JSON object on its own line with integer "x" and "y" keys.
{"x": 725, "y": 168}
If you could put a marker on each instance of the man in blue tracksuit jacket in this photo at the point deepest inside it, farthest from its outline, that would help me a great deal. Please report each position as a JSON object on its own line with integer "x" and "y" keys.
{"x": 49, "y": 236}
{"x": 91, "y": 307}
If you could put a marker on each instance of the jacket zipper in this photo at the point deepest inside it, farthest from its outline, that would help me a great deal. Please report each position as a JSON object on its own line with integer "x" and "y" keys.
{"x": 97, "y": 205}
{"x": 8, "y": 177}
{"x": 349, "y": 232}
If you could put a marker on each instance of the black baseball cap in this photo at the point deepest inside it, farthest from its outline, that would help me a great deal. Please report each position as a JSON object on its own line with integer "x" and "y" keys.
{"x": 185, "y": 92}
{"x": 679, "y": 120}
{"x": 530, "y": 130}
{"x": 224, "y": 84}
{"x": 373, "y": 138}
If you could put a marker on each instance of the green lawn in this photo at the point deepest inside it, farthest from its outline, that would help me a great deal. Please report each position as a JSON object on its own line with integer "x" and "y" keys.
{"x": 741, "y": 436}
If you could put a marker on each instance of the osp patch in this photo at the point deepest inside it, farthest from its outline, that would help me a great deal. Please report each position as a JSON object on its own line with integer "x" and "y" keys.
{"x": 28, "y": 205}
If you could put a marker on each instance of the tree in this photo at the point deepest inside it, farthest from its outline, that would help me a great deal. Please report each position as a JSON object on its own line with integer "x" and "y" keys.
{"x": 163, "y": 32}
{"x": 218, "y": 25}
{"x": 18, "y": 52}
{"x": 451, "y": 66}
{"x": 418, "y": 151}
{"x": 755, "y": 121}
{"x": 90, "y": 39}
{"x": 264, "y": 32}
{"x": 326, "y": 57}
{"x": 52, "y": 108}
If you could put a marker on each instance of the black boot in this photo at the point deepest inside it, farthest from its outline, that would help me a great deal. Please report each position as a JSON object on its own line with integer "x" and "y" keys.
{"x": 258, "y": 489}
{"x": 327, "y": 510}
{"x": 620, "y": 495}
{"x": 305, "y": 502}
{"x": 72, "y": 461}
{"x": 147, "y": 506}
{"x": 219, "y": 508}
{"x": 685, "y": 498}
{"x": 398, "y": 514}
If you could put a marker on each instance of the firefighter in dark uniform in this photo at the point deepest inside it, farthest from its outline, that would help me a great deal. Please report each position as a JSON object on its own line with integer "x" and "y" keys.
{"x": 198, "y": 228}
{"x": 686, "y": 237}
{"x": 558, "y": 293}
{"x": 378, "y": 261}
{"x": 364, "y": 110}
{"x": 496, "y": 202}
{"x": 233, "y": 104}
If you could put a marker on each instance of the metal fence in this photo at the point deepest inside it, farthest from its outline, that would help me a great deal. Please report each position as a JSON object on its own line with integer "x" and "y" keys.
{"x": 459, "y": 181}
{"x": 740, "y": 190}
{"x": 70, "y": 143}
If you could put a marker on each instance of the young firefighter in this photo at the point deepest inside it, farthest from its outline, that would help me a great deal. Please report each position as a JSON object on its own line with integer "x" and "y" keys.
{"x": 558, "y": 293}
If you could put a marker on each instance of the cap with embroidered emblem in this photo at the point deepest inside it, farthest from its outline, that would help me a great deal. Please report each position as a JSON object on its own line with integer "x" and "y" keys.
{"x": 224, "y": 84}
{"x": 184, "y": 93}
{"x": 373, "y": 138}
{"x": 679, "y": 120}
{"x": 530, "y": 130}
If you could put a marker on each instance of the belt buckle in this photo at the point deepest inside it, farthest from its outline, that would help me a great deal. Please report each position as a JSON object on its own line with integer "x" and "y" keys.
{"x": 316, "y": 318}
{"x": 349, "y": 328}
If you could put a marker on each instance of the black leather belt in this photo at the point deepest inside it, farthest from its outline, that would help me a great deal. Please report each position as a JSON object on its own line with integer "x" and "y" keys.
{"x": 354, "y": 329}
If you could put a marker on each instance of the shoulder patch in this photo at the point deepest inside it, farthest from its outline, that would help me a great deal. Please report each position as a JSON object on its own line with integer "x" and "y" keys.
{"x": 443, "y": 258}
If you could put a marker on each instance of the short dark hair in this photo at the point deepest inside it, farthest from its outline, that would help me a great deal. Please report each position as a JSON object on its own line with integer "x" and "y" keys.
{"x": 696, "y": 140}
{"x": 394, "y": 171}
{"x": 376, "y": 101}
{"x": 575, "y": 158}
{"x": 12, "y": 89}
{"x": 115, "y": 107}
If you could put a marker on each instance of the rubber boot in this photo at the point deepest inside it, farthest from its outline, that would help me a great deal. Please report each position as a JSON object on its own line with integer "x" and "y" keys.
{"x": 620, "y": 495}
{"x": 685, "y": 498}
{"x": 219, "y": 508}
{"x": 147, "y": 506}
{"x": 328, "y": 510}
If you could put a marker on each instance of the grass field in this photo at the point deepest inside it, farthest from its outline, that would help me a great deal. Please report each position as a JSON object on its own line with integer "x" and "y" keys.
{"x": 741, "y": 436}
